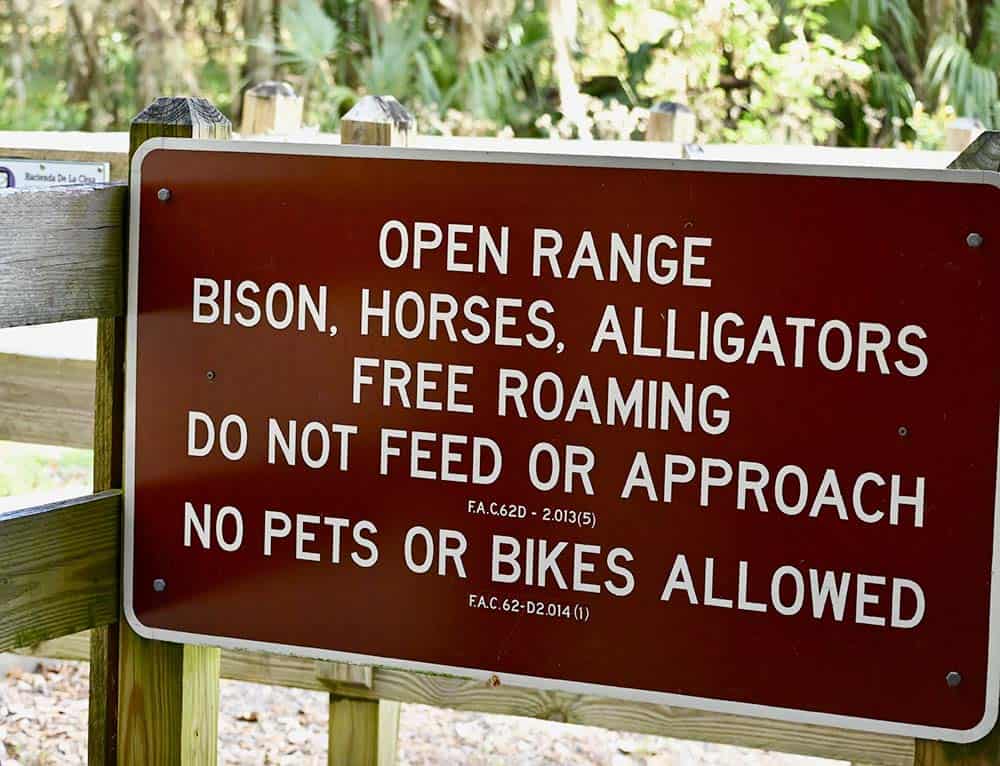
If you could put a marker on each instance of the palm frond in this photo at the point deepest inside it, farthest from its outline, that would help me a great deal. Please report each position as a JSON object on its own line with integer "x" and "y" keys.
{"x": 988, "y": 48}
{"x": 970, "y": 87}
{"x": 314, "y": 36}
{"x": 894, "y": 17}
{"x": 393, "y": 48}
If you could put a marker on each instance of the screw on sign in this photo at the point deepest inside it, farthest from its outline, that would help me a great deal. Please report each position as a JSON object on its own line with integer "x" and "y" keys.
{"x": 525, "y": 423}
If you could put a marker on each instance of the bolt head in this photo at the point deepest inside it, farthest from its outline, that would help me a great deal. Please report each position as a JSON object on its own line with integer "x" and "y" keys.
{"x": 163, "y": 195}
{"x": 953, "y": 679}
{"x": 975, "y": 239}
{"x": 159, "y": 585}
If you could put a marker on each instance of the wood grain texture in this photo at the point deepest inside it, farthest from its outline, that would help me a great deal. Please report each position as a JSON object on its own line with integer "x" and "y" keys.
{"x": 388, "y": 731}
{"x": 662, "y": 720}
{"x": 200, "y": 721}
{"x": 981, "y": 154}
{"x": 47, "y": 401}
{"x": 354, "y": 728}
{"x": 168, "y": 712}
{"x": 377, "y": 121}
{"x": 276, "y": 670}
{"x": 74, "y": 646}
{"x": 168, "y": 694}
{"x": 178, "y": 118}
{"x": 58, "y": 568}
{"x": 459, "y": 694}
{"x": 61, "y": 254}
{"x": 334, "y": 673}
{"x": 985, "y": 752}
{"x": 271, "y": 108}
{"x": 109, "y": 383}
{"x": 102, "y": 711}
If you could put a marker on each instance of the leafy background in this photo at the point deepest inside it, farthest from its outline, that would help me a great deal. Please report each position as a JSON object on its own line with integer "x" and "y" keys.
{"x": 838, "y": 72}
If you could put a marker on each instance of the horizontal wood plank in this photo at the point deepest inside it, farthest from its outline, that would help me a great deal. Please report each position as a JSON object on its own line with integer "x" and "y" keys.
{"x": 662, "y": 720}
{"x": 113, "y": 148}
{"x": 47, "y": 401}
{"x": 462, "y": 694}
{"x": 68, "y": 145}
{"x": 61, "y": 254}
{"x": 58, "y": 568}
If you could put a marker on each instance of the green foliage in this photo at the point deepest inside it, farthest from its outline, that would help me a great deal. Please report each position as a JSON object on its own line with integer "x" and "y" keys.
{"x": 894, "y": 19}
{"x": 315, "y": 36}
{"x": 396, "y": 61}
{"x": 752, "y": 71}
{"x": 34, "y": 468}
{"x": 498, "y": 85}
{"x": 920, "y": 63}
{"x": 857, "y": 72}
{"x": 48, "y": 108}
{"x": 953, "y": 72}
{"x": 988, "y": 49}
{"x": 411, "y": 55}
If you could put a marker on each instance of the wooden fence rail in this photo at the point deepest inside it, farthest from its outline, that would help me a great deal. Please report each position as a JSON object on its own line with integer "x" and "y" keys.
{"x": 47, "y": 401}
{"x": 463, "y": 694}
{"x": 61, "y": 254}
{"x": 59, "y": 569}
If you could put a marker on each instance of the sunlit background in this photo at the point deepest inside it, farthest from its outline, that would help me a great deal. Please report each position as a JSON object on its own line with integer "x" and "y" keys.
{"x": 837, "y": 72}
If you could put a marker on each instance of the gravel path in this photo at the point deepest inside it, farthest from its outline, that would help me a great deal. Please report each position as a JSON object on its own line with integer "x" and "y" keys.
{"x": 43, "y": 721}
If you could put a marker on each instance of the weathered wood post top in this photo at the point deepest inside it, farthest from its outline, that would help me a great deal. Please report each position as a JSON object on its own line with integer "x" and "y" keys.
{"x": 180, "y": 117}
{"x": 377, "y": 121}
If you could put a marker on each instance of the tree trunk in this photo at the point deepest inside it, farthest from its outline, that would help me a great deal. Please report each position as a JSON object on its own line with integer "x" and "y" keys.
{"x": 259, "y": 66}
{"x": 562, "y": 22}
{"x": 19, "y": 51}
{"x": 150, "y": 52}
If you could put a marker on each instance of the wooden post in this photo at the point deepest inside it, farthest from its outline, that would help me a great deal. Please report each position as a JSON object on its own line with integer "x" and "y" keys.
{"x": 271, "y": 108}
{"x": 353, "y": 732}
{"x": 670, "y": 121}
{"x": 388, "y": 731}
{"x": 377, "y": 121}
{"x": 985, "y": 752}
{"x": 362, "y": 732}
{"x": 365, "y": 732}
{"x": 168, "y": 703}
{"x": 981, "y": 154}
{"x": 102, "y": 714}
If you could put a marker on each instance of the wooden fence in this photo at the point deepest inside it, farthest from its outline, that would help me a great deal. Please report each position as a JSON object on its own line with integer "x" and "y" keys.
{"x": 61, "y": 258}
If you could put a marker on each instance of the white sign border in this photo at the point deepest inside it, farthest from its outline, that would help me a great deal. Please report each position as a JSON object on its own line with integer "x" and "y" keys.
{"x": 992, "y": 703}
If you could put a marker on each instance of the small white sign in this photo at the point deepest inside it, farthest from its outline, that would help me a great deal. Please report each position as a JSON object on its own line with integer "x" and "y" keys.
{"x": 33, "y": 174}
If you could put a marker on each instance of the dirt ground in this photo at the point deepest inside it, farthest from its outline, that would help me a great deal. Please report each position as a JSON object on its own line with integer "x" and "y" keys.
{"x": 43, "y": 722}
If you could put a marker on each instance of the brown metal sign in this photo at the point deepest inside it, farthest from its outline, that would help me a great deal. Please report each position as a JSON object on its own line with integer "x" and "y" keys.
{"x": 694, "y": 433}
